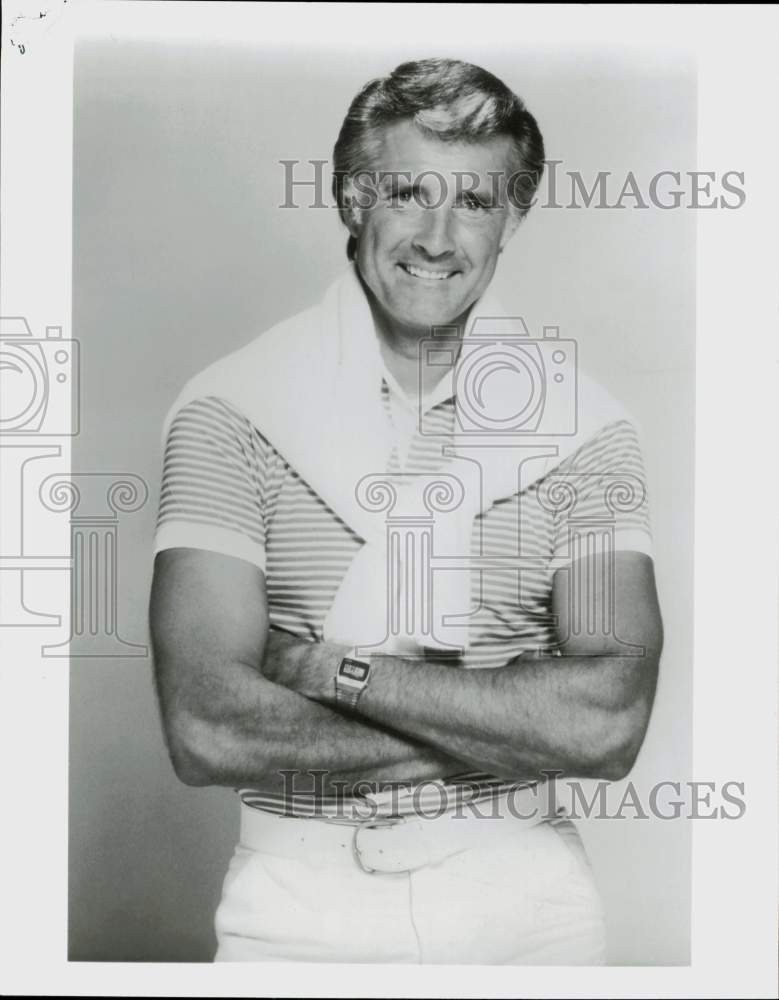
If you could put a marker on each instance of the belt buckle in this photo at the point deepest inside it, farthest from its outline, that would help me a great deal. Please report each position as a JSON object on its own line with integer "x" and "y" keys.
{"x": 376, "y": 824}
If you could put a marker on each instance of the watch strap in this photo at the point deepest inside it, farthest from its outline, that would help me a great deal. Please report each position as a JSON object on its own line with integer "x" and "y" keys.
{"x": 351, "y": 679}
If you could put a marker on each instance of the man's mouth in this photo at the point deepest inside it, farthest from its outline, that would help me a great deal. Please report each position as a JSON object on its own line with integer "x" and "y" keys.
{"x": 426, "y": 273}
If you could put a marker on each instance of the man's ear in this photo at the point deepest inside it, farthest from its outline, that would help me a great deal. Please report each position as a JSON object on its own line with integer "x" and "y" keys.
{"x": 353, "y": 220}
{"x": 352, "y": 214}
{"x": 511, "y": 225}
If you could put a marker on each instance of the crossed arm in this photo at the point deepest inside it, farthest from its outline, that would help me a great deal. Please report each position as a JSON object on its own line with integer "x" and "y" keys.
{"x": 227, "y": 724}
{"x": 241, "y": 701}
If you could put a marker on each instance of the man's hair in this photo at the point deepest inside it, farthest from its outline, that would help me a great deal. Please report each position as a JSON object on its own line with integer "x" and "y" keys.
{"x": 447, "y": 99}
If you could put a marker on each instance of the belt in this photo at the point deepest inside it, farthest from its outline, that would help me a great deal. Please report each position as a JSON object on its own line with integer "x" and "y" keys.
{"x": 383, "y": 846}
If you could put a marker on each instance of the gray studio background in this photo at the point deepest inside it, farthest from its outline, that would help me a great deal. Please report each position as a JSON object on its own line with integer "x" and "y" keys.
{"x": 181, "y": 254}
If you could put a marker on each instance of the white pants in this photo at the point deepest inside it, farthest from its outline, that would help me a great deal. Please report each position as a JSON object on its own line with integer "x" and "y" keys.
{"x": 499, "y": 893}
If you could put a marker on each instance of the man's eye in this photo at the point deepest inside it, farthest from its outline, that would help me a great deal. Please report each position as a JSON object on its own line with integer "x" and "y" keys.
{"x": 401, "y": 197}
{"x": 472, "y": 203}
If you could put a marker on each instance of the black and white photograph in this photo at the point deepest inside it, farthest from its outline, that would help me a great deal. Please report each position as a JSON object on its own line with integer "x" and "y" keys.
{"x": 377, "y": 529}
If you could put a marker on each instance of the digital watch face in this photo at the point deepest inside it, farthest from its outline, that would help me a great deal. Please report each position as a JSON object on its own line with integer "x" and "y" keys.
{"x": 354, "y": 669}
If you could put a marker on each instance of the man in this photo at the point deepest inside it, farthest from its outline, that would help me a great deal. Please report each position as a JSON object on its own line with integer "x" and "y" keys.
{"x": 377, "y": 615}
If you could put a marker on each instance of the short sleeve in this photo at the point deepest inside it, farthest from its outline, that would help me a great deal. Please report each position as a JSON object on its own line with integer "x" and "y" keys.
{"x": 601, "y": 494}
{"x": 212, "y": 483}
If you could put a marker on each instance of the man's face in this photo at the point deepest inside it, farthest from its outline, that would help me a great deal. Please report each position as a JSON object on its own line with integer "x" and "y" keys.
{"x": 428, "y": 245}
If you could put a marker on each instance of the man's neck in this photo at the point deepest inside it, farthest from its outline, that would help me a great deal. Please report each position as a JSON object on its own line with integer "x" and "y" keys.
{"x": 399, "y": 346}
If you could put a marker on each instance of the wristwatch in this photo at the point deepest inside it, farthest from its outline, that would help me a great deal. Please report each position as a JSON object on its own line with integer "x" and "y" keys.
{"x": 351, "y": 679}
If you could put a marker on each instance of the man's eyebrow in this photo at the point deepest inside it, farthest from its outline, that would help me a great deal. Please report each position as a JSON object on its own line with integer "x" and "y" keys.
{"x": 401, "y": 181}
{"x": 390, "y": 178}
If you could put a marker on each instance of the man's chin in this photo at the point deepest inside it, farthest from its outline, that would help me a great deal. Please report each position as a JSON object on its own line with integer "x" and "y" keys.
{"x": 423, "y": 315}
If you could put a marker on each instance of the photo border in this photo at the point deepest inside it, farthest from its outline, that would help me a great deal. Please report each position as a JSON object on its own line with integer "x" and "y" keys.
{"x": 734, "y": 863}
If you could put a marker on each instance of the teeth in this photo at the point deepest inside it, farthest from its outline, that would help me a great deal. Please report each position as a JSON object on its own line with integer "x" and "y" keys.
{"x": 420, "y": 272}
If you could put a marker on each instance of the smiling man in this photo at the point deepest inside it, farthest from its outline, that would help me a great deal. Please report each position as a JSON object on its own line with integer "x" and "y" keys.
{"x": 436, "y": 217}
{"x": 390, "y": 714}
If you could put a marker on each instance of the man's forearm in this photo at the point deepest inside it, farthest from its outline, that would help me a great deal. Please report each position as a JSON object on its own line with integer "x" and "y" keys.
{"x": 234, "y": 727}
{"x": 583, "y": 715}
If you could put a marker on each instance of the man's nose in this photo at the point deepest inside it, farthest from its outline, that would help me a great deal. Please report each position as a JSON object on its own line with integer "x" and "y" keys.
{"x": 434, "y": 236}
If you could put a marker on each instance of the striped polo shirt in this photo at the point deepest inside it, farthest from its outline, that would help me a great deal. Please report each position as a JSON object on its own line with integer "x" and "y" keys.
{"x": 226, "y": 489}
